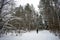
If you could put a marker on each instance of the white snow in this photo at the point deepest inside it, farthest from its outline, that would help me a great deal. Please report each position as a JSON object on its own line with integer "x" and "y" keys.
{"x": 32, "y": 35}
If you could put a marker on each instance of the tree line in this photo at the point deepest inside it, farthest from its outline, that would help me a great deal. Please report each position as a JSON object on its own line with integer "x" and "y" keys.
{"x": 27, "y": 17}
{"x": 50, "y": 11}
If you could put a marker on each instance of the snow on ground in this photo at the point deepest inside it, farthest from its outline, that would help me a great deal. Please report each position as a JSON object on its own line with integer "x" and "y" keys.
{"x": 32, "y": 35}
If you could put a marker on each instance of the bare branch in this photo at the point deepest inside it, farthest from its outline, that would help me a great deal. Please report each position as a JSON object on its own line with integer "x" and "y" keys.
{"x": 6, "y": 3}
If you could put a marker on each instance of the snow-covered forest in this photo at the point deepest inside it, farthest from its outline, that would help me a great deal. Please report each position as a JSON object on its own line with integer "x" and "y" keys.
{"x": 23, "y": 19}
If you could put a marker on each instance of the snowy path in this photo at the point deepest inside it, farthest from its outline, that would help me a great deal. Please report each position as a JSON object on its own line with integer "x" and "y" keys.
{"x": 32, "y": 35}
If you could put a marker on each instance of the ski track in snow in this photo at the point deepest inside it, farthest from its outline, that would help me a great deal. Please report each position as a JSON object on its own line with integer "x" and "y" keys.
{"x": 32, "y": 35}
